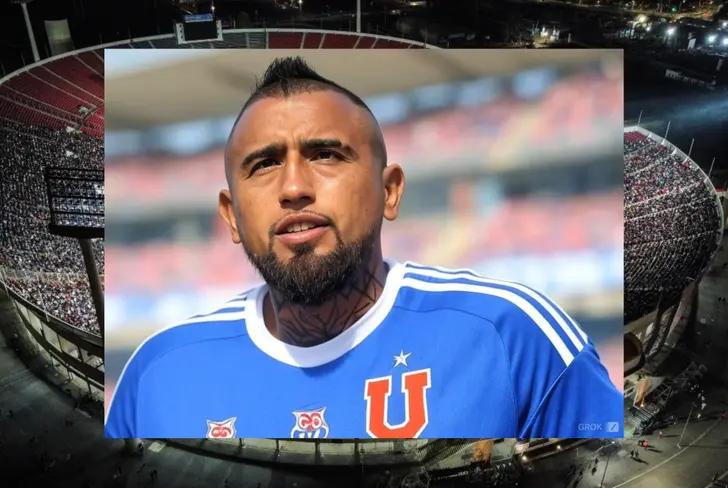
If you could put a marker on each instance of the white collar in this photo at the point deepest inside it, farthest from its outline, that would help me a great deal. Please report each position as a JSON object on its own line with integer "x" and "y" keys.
{"x": 308, "y": 357}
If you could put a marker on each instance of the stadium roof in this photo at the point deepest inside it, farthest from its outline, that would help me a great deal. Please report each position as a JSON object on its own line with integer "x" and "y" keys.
{"x": 166, "y": 88}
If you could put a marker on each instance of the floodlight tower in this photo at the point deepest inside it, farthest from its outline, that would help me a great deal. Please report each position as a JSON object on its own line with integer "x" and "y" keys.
{"x": 29, "y": 27}
{"x": 76, "y": 206}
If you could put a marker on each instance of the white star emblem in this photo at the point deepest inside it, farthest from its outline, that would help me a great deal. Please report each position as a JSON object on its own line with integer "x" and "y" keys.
{"x": 401, "y": 359}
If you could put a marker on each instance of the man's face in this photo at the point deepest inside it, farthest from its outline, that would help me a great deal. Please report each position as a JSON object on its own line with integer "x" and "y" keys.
{"x": 306, "y": 187}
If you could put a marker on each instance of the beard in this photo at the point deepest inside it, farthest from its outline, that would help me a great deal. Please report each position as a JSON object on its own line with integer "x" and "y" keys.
{"x": 311, "y": 279}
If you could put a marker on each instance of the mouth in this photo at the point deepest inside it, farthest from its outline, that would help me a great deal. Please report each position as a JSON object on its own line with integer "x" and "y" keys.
{"x": 300, "y": 229}
{"x": 302, "y": 235}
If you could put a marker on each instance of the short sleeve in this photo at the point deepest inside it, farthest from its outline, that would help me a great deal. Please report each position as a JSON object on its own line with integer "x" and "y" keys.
{"x": 582, "y": 402}
{"x": 121, "y": 419}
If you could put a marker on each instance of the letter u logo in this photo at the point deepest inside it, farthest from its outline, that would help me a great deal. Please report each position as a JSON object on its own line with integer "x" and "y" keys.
{"x": 376, "y": 393}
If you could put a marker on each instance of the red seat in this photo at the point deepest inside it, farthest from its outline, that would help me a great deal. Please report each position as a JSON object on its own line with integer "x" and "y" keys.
{"x": 284, "y": 40}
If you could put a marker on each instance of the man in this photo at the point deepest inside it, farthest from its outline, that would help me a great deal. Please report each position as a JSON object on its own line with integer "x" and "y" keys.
{"x": 339, "y": 342}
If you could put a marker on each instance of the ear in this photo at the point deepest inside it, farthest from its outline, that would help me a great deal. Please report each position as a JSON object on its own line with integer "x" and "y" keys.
{"x": 226, "y": 210}
{"x": 393, "y": 178}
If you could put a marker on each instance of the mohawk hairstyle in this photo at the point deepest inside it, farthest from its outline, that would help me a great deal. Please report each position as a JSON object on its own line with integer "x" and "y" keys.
{"x": 289, "y": 76}
{"x": 292, "y": 75}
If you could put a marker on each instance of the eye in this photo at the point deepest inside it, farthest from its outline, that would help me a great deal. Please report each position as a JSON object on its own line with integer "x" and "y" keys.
{"x": 265, "y": 163}
{"x": 326, "y": 155}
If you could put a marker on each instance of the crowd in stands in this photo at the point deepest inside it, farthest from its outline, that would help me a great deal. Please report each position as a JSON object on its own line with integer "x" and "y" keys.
{"x": 663, "y": 224}
{"x": 671, "y": 227}
{"x": 26, "y": 247}
{"x": 642, "y": 159}
{"x": 634, "y": 141}
{"x": 64, "y": 296}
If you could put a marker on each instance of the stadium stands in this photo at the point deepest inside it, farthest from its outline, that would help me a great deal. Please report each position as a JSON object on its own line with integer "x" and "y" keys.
{"x": 477, "y": 134}
{"x": 14, "y": 110}
{"x": 64, "y": 296}
{"x": 541, "y": 226}
{"x": 286, "y": 40}
{"x": 37, "y": 106}
{"x": 72, "y": 70}
{"x": 52, "y": 115}
{"x": 66, "y": 91}
{"x": 672, "y": 223}
{"x": 281, "y": 39}
{"x": 36, "y": 89}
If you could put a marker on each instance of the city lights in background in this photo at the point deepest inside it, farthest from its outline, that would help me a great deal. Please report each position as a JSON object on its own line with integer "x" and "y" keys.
{"x": 712, "y": 38}
{"x": 671, "y": 31}
{"x": 725, "y": 41}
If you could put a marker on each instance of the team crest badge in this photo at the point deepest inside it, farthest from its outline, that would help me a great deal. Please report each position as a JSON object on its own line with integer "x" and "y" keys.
{"x": 310, "y": 424}
{"x": 221, "y": 430}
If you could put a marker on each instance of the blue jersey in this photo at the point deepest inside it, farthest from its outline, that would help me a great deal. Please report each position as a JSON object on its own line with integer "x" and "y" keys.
{"x": 442, "y": 353}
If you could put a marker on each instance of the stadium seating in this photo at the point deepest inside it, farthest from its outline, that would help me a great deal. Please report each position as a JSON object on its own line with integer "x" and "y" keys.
{"x": 366, "y": 43}
{"x": 93, "y": 59}
{"x": 496, "y": 129}
{"x": 424, "y": 142}
{"x": 285, "y": 40}
{"x": 280, "y": 39}
{"x": 294, "y": 40}
{"x": 51, "y": 95}
{"x": 634, "y": 140}
{"x": 75, "y": 72}
{"x": 671, "y": 227}
{"x": 31, "y": 89}
{"x": 45, "y": 269}
{"x": 339, "y": 41}
{"x": 312, "y": 40}
{"x": 53, "y": 78}
{"x": 538, "y": 226}
{"x": 37, "y": 106}
{"x": 14, "y": 111}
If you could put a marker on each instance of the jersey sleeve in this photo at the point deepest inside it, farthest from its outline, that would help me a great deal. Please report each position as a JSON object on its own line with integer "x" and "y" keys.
{"x": 582, "y": 402}
{"x": 121, "y": 418}
{"x": 146, "y": 374}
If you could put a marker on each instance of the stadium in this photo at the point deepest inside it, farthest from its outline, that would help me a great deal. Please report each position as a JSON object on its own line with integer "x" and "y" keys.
{"x": 53, "y": 365}
{"x": 674, "y": 221}
{"x": 67, "y": 346}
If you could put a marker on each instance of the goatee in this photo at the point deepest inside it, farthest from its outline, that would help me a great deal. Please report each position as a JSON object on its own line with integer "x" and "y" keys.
{"x": 311, "y": 279}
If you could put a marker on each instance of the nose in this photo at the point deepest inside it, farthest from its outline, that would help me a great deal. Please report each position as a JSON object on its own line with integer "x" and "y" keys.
{"x": 296, "y": 189}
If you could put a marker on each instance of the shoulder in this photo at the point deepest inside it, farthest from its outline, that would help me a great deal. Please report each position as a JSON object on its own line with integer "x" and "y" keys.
{"x": 540, "y": 341}
{"x": 525, "y": 319}
{"x": 221, "y": 322}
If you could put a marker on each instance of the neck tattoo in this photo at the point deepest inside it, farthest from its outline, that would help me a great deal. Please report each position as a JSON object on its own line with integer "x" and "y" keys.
{"x": 306, "y": 325}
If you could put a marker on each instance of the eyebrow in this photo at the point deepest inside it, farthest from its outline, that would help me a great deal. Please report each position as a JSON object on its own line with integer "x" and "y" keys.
{"x": 269, "y": 151}
{"x": 277, "y": 149}
{"x": 312, "y": 144}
